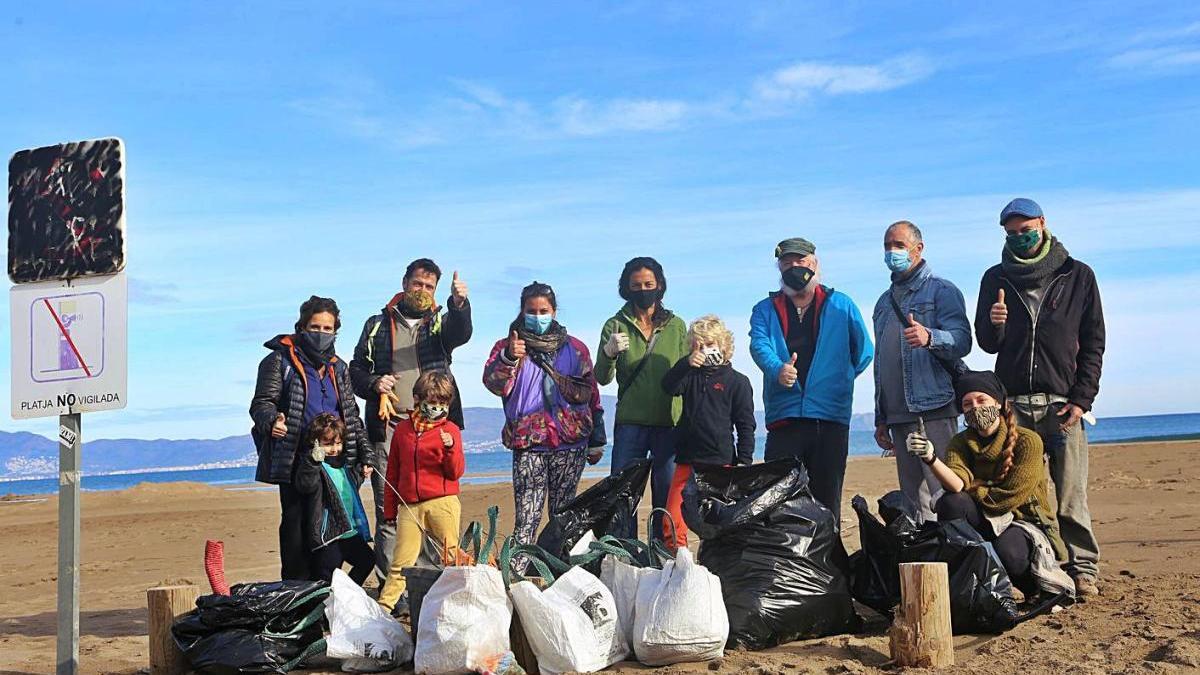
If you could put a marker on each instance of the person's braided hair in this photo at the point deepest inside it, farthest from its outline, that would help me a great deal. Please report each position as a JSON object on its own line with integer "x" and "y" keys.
{"x": 1010, "y": 442}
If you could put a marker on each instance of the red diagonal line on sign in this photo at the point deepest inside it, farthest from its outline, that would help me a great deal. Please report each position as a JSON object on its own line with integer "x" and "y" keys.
{"x": 67, "y": 335}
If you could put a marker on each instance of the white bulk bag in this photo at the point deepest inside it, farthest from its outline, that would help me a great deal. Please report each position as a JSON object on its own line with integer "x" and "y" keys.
{"x": 571, "y": 626}
{"x": 361, "y": 632}
{"x": 680, "y": 614}
{"x": 621, "y": 578}
{"x": 464, "y": 621}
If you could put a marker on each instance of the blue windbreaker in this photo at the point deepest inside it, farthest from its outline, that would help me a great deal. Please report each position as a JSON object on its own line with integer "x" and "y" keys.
{"x": 843, "y": 351}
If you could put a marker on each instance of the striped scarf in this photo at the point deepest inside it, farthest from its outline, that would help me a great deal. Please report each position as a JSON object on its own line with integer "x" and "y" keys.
{"x": 421, "y": 425}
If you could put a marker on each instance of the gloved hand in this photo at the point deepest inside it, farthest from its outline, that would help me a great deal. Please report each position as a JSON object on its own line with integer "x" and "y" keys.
{"x": 919, "y": 446}
{"x": 617, "y": 343}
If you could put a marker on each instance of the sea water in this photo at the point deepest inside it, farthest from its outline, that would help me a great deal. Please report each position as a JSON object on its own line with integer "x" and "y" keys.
{"x": 495, "y": 466}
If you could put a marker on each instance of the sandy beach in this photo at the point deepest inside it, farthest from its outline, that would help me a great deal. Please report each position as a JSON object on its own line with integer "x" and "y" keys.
{"x": 1144, "y": 500}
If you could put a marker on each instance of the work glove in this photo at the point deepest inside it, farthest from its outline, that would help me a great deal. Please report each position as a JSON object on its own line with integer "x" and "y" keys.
{"x": 617, "y": 343}
{"x": 919, "y": 446}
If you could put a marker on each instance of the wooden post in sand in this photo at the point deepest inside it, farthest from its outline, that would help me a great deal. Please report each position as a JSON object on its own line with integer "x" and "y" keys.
{"x": 921, "y": 636}
{"x": 165, "y": 603}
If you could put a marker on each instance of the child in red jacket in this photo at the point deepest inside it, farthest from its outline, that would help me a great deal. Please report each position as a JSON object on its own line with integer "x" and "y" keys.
{"x": 423, "y": 467}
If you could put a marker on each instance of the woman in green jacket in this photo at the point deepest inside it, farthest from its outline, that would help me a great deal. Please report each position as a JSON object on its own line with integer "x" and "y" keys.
{"x": 994, "y": 476}
{"x": 638, "y": 346}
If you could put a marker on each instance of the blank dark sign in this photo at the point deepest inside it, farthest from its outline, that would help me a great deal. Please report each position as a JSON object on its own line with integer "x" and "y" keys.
{"x": 66, "y": 211}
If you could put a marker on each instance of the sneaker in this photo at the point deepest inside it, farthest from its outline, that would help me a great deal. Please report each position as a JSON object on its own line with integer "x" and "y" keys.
{"x": 1085, "y": 587}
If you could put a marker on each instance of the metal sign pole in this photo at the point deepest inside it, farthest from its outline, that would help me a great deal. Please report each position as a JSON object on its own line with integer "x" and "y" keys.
{"x": 69, "y": 460}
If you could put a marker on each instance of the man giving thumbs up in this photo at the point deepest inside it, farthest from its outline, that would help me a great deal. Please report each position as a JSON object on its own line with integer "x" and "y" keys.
{"x": 810, "y": 342}
{"x": 1049, "y": 351}
{"x": 921, "y": 333}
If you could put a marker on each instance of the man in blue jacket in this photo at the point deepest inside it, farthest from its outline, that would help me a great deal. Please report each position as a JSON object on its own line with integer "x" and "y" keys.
{"x": 810, "y": 341}
{"x": 921, "y": 333}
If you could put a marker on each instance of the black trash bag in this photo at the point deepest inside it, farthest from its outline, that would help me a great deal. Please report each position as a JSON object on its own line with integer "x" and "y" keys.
{"x": 980, "y": 590}
{"x": 899, "y": 512}
{"x": 608, "y": 507}
{"x": 783, "y": 570}
{"x": 981, "y": 598}
{"x": 875, "y": 571}
{"x": 267, "y": 627}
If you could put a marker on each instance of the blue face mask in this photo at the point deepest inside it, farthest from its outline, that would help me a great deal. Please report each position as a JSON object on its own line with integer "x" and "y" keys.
{"x": 897, "y": 261}
{"x": 538, "y": 323}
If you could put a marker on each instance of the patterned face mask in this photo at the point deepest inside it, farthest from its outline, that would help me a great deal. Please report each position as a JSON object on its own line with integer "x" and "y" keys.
{"x": 418, "y": 301}
{"x": 433, "y": 411}
{"x": 1024, "y": 242}
{"x": 712, "y": 356}
{"x": 982, "y": 418}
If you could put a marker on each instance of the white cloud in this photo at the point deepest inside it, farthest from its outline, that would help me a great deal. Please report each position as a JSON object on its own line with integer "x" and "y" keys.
{"x": 581, "y": 117}
{"x": 1167, "y": 34}
{"x": 1160, "y": 50}
{"x": 803, "y": 80}
{"x": 1157, "y": 58}
{"x": 350, "y": 115}
{"x": 477, "y": 109}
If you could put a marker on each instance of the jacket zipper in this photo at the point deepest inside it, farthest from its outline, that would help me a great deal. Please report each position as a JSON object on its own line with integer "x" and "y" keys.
{"x": 1034, "y": 320}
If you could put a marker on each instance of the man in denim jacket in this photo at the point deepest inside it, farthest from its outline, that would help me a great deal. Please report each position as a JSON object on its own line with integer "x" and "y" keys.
{"x": 921, "y": 335}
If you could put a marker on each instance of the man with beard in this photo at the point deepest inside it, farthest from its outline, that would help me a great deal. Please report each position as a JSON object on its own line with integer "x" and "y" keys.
{"x": 409, "y": 336}
{"x": 1039, "y": 312}
{"x": 810, "y": 341}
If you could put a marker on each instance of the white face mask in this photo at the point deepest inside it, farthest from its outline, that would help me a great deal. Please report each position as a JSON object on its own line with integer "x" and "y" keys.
{"x": 712, "y": 356}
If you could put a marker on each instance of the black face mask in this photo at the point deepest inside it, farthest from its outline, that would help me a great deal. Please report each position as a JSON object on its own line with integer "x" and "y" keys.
{"x": 645, "y": 299}
{"x": 797, "y": 278}
{"x": 317, "y": 346}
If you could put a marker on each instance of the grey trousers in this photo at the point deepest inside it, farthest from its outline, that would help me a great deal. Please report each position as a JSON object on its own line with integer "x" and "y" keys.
{"x": 1067, "y": 452}
{"x": 385, "y": 535}
{"x": 917, "y": 482}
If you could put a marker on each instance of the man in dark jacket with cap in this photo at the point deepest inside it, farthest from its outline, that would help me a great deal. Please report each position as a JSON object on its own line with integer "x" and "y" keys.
{"x": 1039, "y": 311}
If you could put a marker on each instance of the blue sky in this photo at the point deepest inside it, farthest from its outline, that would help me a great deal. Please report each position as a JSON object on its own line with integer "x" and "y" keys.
{"x": 277, "y": 150}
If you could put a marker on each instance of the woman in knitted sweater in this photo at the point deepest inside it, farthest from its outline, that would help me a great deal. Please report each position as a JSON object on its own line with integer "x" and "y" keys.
{"x": 994, "y": 474}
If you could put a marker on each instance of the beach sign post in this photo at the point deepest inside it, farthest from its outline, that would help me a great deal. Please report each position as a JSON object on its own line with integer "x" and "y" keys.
{"x": 66, "y": 257}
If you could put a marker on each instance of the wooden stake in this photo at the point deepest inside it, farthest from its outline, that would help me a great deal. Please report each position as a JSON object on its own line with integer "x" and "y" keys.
{"x": 921, "y": 636}
{"x": 165, "y": 603}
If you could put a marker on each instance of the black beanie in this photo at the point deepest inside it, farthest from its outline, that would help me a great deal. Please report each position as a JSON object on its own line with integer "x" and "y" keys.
{"x": 980, "y": 380}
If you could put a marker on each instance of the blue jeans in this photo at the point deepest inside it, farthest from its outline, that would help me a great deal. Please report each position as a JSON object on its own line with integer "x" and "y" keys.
{"x": 632, "y": 442}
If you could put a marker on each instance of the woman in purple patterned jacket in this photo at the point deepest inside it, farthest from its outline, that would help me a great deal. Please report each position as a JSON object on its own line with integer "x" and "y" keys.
{"x": 553, "y": 419}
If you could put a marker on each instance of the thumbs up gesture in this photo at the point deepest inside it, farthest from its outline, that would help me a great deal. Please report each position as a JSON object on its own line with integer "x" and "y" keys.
{"x": 788, "y": 373}
{"x": 516, "y": 346}
{"x": 458, "y": 290}
{"x": 917, "y": 335}
{"x": 999, "y": 313}
{"x": 617, "y": 342}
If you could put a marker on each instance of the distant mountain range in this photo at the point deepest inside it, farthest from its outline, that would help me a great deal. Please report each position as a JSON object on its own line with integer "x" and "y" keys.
{"x": 26, "y": 455}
